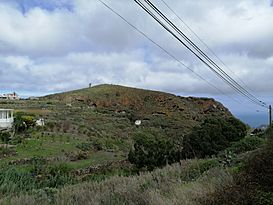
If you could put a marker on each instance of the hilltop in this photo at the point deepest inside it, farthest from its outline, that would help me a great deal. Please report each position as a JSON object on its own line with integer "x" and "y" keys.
{"x": 146, "y": 105}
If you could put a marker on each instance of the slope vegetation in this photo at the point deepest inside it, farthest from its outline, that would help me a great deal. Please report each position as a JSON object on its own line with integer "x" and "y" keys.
{"x": 152, "y": 107}
{"x": 87, "y": 136}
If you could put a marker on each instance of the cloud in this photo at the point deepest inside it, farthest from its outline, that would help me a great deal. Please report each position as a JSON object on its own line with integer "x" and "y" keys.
{"x": 53, "y": 46}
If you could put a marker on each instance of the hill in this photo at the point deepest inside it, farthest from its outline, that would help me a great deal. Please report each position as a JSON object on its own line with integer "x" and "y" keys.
{"x": 88, "y": 134}
{"x": 154, "y": 108}
{"x": 99, "y": 123}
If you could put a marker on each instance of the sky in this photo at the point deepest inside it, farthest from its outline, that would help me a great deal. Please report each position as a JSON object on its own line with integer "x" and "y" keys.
{"x": 49, "y": 46}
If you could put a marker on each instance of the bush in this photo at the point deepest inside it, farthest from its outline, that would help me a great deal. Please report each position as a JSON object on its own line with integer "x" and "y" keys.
{"x": 152, "y": 151}
{"x": 171, "y": 185}
{"x": 23, "y": 121}
{"x": 5, "y": 137}
{"x": 214, "y": 135}
{"x": 85, "y": 146}
{"x": 253, "y": 184}
{"x": 246, "y": 144}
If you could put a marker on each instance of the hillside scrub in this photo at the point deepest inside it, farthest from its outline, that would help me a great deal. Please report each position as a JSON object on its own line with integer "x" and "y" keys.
{"x": 253, "y": 181}
{"x": 246, "y": 144}
{"x": 41, "y": 175}
{"x": 187, "y": 181}
{"x": 190, "y": 182}
{"x": 152, "y": 151}
{"x": 214, "y": 135}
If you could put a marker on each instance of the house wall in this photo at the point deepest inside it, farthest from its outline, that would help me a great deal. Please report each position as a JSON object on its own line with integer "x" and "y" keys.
{"x": 6, "y": 118}
{"x": 12, "y": 96}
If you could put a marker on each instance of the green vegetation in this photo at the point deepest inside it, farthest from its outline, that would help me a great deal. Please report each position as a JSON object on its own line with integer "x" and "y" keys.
{"x": 5, "y": 137}
{"x": 213, "y": 136}
{"x": 80, "y": 155}
{"x": 193, "y": 182}
{"x": 253, "y": 184}
{"x": 152, "y": 151}
{"x": 246, "y": 144}
{"x": 23, "y": 121}
{"x": 148, "y": 188}
{"x": 40, "y": 176}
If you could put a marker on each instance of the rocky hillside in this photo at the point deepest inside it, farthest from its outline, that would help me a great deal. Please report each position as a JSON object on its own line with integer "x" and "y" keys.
{"x": 156, "y": 109}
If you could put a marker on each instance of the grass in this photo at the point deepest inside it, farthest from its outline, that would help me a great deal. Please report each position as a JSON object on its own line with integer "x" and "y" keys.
{"x": 94, "y": 159}
{"x": 163, "y": 186}
{"x": 44, "y": 147}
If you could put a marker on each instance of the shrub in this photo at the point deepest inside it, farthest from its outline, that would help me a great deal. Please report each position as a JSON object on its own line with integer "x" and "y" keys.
{"x": 29, "y": 120}
{"x": 152, "y": 151}
{"x": 5, "y": 137}
{"x": 85, "y": 146}
{"x": 171, "y": 185}
{"x": 253, "y": 184}
{"x": 23, "y": 121}
{"x": 214, "y": 135}
{"x": 97, "y": 145}
{"x": 246, "y": 144}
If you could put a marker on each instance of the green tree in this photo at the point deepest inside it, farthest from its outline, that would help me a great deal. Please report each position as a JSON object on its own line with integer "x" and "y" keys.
{"x": 214, "y": 135}
{"x": 152, "y": 151}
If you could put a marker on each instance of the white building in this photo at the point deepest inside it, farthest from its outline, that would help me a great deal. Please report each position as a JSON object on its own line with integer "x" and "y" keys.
{"x": 6, "y": 118}
{"x": 10, "y": 96}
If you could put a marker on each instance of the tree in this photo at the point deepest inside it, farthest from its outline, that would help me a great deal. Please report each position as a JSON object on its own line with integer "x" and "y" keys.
{"x": 152, "y": 151}
{"x": 214, "y": 135}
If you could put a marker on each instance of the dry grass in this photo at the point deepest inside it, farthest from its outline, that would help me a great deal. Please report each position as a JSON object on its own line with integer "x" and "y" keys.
{"x": 172, "y": 185}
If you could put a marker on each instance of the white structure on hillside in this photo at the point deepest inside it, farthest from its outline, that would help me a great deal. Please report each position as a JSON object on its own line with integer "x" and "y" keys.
{"x": 138, "y": 122}
{"x": 40, "y": 122}
{"x": 6, "y": 118}
{"x": 10, "y": 96}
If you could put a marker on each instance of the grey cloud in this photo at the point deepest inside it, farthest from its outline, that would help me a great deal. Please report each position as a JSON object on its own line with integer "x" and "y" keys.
{"x": 50, "y": 51}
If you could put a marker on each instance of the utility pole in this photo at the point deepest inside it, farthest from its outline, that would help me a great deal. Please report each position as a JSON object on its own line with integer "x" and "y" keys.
{"x": 270, "y": 115}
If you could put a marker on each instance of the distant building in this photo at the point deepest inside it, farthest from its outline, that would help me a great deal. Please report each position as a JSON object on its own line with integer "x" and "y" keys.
{"x": 33, "y": 98}
{"x": 10, "y": 96}
{"x": 6, "y": 118}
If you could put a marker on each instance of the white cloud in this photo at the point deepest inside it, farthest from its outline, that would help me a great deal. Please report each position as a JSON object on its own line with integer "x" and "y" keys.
{"x": 61, "y": 49}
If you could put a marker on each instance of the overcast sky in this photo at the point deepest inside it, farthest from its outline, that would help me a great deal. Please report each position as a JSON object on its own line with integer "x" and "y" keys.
{"x": 49, "y": 46}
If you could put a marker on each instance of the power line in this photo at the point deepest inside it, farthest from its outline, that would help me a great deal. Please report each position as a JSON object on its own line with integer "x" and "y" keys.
{"x": 203, "y": 42}
{"x": 165, "y": 27}
{"x": 231, "y": 82}
{"x": 164, "y": 50}
{"x": 238, "y": 86}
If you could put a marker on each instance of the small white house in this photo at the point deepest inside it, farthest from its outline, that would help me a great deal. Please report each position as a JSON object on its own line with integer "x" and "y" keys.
{"x": 6, "y": 118}
{"x": 10, "y": 96}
